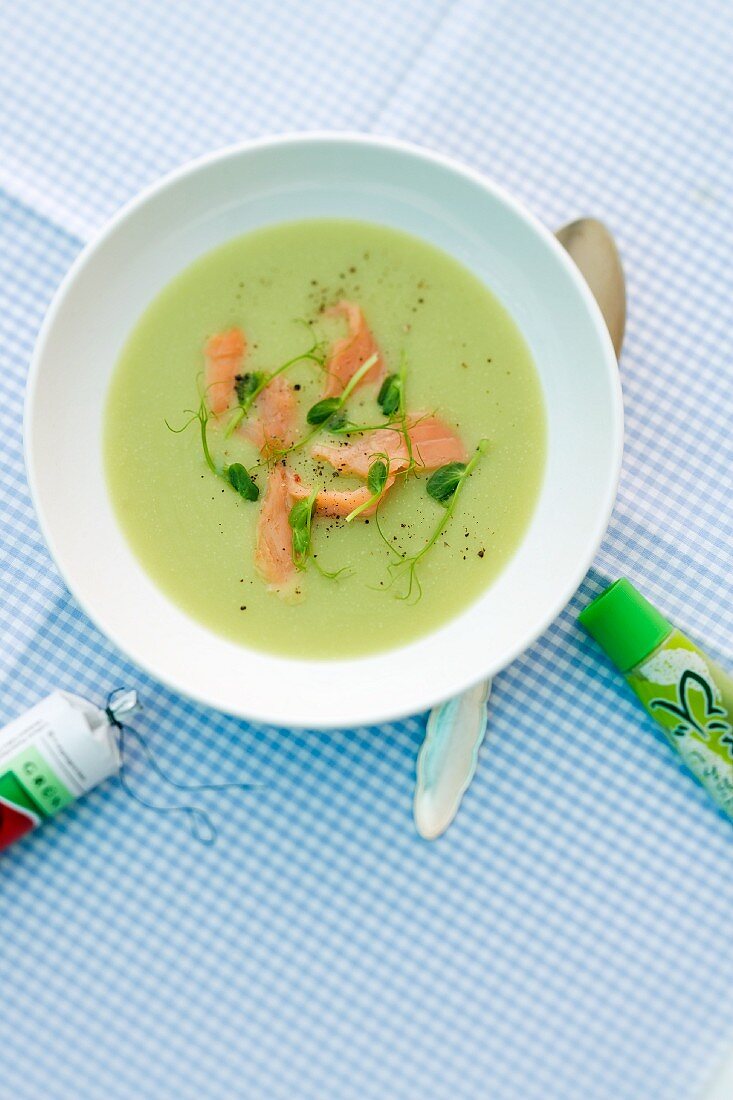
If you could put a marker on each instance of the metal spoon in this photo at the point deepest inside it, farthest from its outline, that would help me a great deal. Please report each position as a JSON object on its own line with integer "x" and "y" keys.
{"x": 448, "y": 757}
{"x": 594, "y": 251}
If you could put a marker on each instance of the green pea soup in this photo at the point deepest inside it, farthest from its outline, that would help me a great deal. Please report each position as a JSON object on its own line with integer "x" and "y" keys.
{"x": 465, "y": 360}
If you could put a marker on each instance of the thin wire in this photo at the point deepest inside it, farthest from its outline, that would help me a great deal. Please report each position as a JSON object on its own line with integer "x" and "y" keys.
{"x": 201, "y": 825}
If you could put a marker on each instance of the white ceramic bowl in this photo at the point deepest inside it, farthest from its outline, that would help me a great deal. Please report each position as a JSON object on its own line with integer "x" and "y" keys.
{"x": 228, "y": 193}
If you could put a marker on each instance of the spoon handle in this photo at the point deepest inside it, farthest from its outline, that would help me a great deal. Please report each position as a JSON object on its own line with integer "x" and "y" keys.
{"x": 448, "y": 757}
{"x": 593, "y": 250}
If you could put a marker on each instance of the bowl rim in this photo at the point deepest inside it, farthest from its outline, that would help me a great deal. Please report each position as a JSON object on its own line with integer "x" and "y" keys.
{"x": 369, "y": 712}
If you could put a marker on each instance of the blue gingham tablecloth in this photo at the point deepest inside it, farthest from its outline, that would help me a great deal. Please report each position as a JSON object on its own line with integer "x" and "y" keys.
{"x": 569, "y": 939}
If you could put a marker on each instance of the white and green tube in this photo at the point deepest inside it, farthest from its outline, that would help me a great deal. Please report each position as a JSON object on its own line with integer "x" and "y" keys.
{"x": 686, "y": 693}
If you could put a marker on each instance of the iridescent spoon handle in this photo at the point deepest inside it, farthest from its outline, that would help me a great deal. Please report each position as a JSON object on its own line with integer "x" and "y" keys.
{"x": 448, "y": 757}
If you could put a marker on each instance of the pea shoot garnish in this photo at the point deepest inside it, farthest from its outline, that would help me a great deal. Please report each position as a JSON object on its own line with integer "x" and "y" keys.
{"x": 323, "y": 411}
{"x": 241, "y": 482}
{"x": 402, "y": 413}
{"x": 444, "y": 486}
{"x": 328, "y": 411}
{"x": 235, "y": 475}
{"x": 341, "y": 425}
{"x": 376, "y": 482}
{"x": 249, "y": 386}
{"x": 201, "y": 414}
{"x": 389, "y": 398}
{"x": 301, "y": 520}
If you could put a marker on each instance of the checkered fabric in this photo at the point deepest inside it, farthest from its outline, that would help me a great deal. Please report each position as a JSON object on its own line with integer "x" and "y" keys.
{"x": 568, "y": 938}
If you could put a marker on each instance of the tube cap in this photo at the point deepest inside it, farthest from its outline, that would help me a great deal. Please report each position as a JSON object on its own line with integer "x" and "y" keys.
{"x": 625, "y": 624}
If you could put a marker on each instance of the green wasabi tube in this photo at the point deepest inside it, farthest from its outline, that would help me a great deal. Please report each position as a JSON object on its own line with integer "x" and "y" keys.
{"x": 685, "y": 692}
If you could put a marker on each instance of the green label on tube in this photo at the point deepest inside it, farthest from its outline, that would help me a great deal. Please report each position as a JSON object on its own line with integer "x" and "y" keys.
{"x": 40, "y": 781}
{"x": 692, "y": 700}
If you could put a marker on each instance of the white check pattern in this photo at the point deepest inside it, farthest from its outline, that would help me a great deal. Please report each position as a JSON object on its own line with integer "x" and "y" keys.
{"x": 569, "y": 938}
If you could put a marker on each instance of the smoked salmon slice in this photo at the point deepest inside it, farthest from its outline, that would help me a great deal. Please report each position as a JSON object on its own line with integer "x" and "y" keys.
{"x": 274, "y": 546}
{"x": 339, "y": 503}
{"x": 356, "y": 456}
{"x": 224, "y": 354}
{"x": 351, "y": 351}
{"x": 433, "y": 444}
{"x": 273, "y": 427}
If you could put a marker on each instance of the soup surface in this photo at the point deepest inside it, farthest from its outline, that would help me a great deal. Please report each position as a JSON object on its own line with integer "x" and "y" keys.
{"x": 436, "y": 327}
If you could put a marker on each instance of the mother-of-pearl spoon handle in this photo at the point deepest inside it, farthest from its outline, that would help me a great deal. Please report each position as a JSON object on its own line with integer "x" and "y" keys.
{"x": 447, "y": 760}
